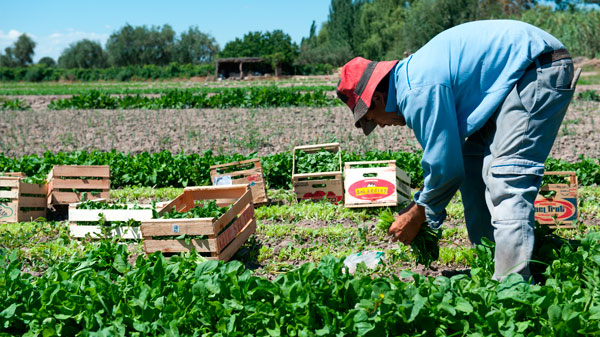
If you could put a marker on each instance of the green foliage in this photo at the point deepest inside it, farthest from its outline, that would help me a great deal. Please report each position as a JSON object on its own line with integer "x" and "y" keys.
{"x": 385, "y": 29}
{"x": 425, "y": 245}
{"x": 100, "y": 292}
{"x": 47, "y": 61}
{"x": 141, "y": 45}
{"x": 386, "y": 219}
{"x": 276, "y": 46}
{"x": 588, "y": 95}
{"x": 117, "y": 88}
{"x": 426, "y": 18}
{"x": 313, "y": 162}
{"x": 164, "y": 169}
{"x": 126, "y": 73}
{"x": 83, "y": 54}
{"x": 253, "y": 97}
{"x": 195, "y": 47}
{"x": 577, "y": 29}
{"x": 90, "y": 204}
{"x": 37, "y": 73}
{"x": 13, "y": 104}
{"x": 587, "y": 169}
{"x": 20, "y": 54}
{"x": 202, "y": 209}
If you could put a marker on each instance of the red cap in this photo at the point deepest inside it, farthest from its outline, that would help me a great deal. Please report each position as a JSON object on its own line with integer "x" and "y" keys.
{"x": 358, "y": 81}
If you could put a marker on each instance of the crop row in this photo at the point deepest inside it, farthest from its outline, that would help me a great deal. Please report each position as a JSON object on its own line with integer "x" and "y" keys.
{"x": 165, "y": 169}
{"x": 134, "y": 88}
{"x": 101, "y": 293}
{"x": 256, "y": 97}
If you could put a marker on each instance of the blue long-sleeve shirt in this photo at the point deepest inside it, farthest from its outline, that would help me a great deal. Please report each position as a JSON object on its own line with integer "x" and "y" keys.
{"x": 450, "y": 87}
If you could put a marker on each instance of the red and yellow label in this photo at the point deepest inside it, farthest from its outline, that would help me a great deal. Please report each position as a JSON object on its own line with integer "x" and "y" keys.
{"x": 371, "y": 189}
{"x": 563, "y": 210}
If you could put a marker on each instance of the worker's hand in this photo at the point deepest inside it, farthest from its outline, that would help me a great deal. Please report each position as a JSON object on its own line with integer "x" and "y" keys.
{"x": 407, "y": 225}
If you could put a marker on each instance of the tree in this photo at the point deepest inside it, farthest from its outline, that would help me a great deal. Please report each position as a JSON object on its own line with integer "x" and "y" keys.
{"x": 276, "y": 46}
{"x": 47, "y": 61}
{"x": 141, "y": 45}
{"x": 339, "y": 37}
{"x": 23, "y": 50}
{"x": 83, "y": 54}
{"x": 20, "y": 54}
{"x": 382, "y": 22}
{"x": 7, "y": 59}
{"x": 427, "y": 18}
{"x": 195, "y": 47}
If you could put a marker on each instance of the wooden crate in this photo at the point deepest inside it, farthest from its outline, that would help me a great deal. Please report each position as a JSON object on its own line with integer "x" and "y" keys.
{"x": 561, "y": 209}
{"x": 319, "y": 185}
{"x": 92, "y": 215}
{"x": 383, "y": 185}
{"x": 68, "y": 183}
{"x": 225, "y": 234}
{"x": 26, "y": 202}
{"x": 242, "y": 172}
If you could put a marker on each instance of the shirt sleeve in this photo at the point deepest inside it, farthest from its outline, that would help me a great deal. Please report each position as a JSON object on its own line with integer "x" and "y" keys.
{"x": 430, "y": 112}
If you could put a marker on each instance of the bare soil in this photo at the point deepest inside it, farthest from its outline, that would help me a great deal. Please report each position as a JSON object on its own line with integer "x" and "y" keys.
{"x": 244, "y": 131}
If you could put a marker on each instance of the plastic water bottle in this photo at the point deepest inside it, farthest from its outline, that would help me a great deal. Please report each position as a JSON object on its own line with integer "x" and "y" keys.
{"x": 371, "y": 259}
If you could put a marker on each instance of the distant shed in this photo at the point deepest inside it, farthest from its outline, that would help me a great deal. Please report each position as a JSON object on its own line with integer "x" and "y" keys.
{"x": 238, "y": 67}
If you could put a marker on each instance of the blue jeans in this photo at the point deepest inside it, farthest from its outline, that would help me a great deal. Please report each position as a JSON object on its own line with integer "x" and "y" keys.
{"x": 504, "y": 164}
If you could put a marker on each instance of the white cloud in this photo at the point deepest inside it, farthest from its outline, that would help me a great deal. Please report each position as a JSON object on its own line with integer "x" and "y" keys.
{"x": 53, "y": 45}
{"x": 7, "y": 39}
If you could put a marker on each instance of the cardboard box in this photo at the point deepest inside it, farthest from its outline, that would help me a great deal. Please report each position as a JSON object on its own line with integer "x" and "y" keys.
{"x": 375, "y": 184}
{"x": 318, "y": 185}
{"x": 560, "y": 208}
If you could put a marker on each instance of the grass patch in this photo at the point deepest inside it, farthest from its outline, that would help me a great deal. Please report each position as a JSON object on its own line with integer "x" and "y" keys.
{"x": 130, "y": 194}
{"x": 308, "y": 210}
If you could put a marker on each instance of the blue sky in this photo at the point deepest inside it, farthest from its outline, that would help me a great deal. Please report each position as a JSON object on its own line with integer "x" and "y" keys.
{"x": 54, "y": 25}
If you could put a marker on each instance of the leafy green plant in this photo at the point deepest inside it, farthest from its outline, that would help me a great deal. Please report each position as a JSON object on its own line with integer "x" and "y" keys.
{"x": 101, "y": 292}
{"x": 320, "y": 161}
{"x": 251, "y": 97}
{"x": 166, "y": 169}
{"x": 203, "y": 209}
{"x": 588, "y": 95}
{"x": 14, "y": 104}
{"x": 425, "y": 245}
{"x": 90, "y": 204}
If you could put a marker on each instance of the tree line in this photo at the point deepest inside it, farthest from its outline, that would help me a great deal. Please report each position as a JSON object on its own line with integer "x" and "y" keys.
{"x": 389, "y": 29}
{"x": 374, "y": 29}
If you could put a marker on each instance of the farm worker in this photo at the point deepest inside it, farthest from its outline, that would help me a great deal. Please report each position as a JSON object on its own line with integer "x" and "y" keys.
{"x": 485, "y": 100}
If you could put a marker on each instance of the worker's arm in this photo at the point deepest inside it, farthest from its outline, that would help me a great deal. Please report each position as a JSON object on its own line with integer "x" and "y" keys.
{"x": 429, "y": 111}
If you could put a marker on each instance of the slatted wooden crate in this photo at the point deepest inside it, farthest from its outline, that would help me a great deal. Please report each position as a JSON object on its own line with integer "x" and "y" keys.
{"x": 560, "y": 209}
{"x": 225, "y": 234}
{"x": 242, "y": 172}
{"x": 380, "y": 184}
{"x": 22, "y": 201}
{"x": 319, "y": 185}
{"x": 110, "y": 215}
{"x": 67, "y": 184}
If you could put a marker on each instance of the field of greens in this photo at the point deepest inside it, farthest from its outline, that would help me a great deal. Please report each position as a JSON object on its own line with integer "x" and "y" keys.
{"x": 289, "y": 270}
{"x": 289, "y": 278}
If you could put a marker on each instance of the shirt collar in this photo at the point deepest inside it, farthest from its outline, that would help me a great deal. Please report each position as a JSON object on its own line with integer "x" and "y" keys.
{"x": 391, "y": 104}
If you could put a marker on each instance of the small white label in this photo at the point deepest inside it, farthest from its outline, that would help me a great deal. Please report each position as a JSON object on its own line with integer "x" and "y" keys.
{"x": 175, "y": 228}
{"x": 222, "y": 180}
